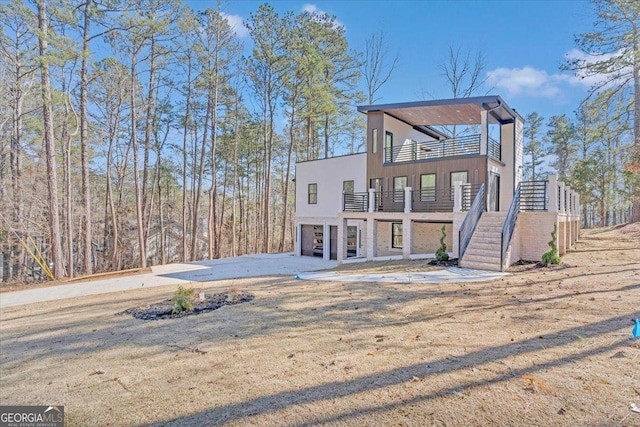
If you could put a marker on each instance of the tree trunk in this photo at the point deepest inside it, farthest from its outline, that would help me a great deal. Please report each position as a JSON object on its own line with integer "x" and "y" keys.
{"x": 285, "y": 197}
{"x": 136, "y": 175}
{"x": 185, "y": 130}
{"x": 147, "y": 133}
{"x": 49, "y": 143}
{"x": 87, "y": 265}
{"x": 198, "y": 188}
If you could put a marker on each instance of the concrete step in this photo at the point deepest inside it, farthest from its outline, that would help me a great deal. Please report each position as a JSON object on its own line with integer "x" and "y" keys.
{"x": 492, "y": 218}
{"x": 488, "y": 258}
{"x": 480, "y": 265}
{"x": 494, "y": 214}
{"x": 488, "y": 236}
{"x": 481, "y": 244}
{"x": 487, "y": 253}
{"x": 489, "y": 229}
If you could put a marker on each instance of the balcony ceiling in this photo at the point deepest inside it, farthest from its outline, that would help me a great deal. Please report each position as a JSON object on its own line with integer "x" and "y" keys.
{"x": 444, "y": 112}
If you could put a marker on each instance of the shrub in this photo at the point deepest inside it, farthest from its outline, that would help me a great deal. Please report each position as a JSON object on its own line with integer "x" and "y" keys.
{"x": 441, "y": 253}
{"x": 551, "y": 256}
{"x": 182, "y": 300}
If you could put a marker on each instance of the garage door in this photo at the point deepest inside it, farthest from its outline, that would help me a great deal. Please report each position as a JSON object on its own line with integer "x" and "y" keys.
{"x": 311, "y": 240}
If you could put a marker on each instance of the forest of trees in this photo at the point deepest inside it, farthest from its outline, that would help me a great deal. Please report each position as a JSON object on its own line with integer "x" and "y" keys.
{"x": 137, "y": 133}
{"x": 140, "y": 133}
{"x": 597, "y": 149}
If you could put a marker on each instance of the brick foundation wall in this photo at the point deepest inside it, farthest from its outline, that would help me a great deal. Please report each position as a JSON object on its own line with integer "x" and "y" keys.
{"x": 426, "y": 237}
{"x": 534, "y": 234}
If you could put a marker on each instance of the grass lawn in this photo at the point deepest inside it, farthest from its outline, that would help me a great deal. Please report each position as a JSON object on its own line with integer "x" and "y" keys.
{"x": 544, "y": 347}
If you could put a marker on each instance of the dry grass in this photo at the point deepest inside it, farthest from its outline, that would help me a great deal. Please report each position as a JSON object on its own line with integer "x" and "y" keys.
{"x": 546, "y": 347}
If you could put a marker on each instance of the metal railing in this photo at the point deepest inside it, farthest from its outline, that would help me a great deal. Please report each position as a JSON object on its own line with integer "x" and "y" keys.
{"x": 534, "y": 196}
{"x": 510, "y": 224}
{"x": 494, "y": 150}
{"x": 469, "y": 192}
{"x": 470, "y": 221}
{"x": 389, "y": 201}
{"x": 432, "y": 200}
{"x": 355, "y": 202}
{"x": 411, "y": 151}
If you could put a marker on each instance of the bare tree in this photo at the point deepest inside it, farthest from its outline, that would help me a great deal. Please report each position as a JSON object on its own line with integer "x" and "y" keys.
{"x": 464, "y": 75}
{"x": 462, "y": 72}
{"x": 378, "y": 65}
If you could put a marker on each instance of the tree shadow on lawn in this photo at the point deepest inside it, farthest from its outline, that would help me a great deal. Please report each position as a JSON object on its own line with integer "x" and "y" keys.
{"x": 338, "y": 389}
{"x": 357, "y": 306}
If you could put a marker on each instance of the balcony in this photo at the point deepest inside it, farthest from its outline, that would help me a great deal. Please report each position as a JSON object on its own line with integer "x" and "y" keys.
{"x": 460, "y": 146}
{"x": 409, "y": 200}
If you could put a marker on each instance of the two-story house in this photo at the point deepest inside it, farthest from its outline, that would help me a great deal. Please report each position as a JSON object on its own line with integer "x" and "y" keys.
{"x": 455, "y": 163}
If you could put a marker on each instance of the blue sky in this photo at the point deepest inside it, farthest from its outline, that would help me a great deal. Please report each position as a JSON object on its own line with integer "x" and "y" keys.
{"x": 524, "y": 43}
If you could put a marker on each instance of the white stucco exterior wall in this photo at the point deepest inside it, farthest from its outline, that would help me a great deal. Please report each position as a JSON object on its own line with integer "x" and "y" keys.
{"x": 329, "y": 175}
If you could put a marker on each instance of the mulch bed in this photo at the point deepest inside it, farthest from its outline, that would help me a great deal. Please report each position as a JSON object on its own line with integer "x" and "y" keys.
{"x": 163, "y": 310}
{"x": 524, "y": 266}
{"x": 449, "y": 263}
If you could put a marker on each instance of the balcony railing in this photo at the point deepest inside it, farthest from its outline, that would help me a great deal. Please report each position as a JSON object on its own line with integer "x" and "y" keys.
{"x": 411, "y": 151}
{"x": 469, "y": 192}
{"x": 534, "y": 196}
{"x": 432, "y": 200}
{"x": 389, "y": 201}
{"x": 425, "y": 200}
{"x": 494, "y": 150}
{"x": 355, "y": 202}
{"x": 459, "y": 146}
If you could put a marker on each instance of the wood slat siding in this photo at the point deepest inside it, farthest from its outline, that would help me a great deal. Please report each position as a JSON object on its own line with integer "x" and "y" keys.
{"x": 441, "y": 167}
{"x": 376, "y": 168}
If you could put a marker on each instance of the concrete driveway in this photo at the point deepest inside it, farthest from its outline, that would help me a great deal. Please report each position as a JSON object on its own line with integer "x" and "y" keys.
{"x": 175, "y": 274}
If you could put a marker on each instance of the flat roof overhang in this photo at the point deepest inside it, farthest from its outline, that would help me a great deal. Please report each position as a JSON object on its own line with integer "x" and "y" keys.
{"x": 447, "y": 112}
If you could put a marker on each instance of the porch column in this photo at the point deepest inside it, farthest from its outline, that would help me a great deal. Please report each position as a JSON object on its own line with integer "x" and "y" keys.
{"x": 407, "y": 237}
{"x": 457, "y": 196}
{"x": 484, "y": 131}
{"x": 342, "y": 240}
{"x": 407, "y": 199}
{"x": 553, "y": 194}
{"x": 326, "y": 242}
{"x": 298, "y": 239}
{"x": 372, "y": 238}
{"x": 569, "y": 218}
{"x": 372, "y": 200}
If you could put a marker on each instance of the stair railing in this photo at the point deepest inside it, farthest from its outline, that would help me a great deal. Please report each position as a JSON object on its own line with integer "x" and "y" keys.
{"x": 470, "y": 221}
{"x": 509, "y": 225}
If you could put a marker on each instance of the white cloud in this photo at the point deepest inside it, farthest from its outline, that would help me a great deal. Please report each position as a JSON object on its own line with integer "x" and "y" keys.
{"x": 582, "y": 58}
{"x": 315, "y": 10}
{"x": 236, "y": 24}
{"x": 527, "y": 81}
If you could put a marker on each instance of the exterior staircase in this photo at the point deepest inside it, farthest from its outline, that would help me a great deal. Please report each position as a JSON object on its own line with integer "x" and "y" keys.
{"x": 483, "y": 252}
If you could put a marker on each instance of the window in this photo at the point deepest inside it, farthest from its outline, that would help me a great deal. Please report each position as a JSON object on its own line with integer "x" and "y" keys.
{"x": 458, "y": 176}
{"x": 428, "y": 187}
{"x": 374, "y": 141}
{"x": 396, "y": 235}
{"x": 399, "y": 182}
{"x": 313, "y": 194}
{"x": 388, "y": 147}
{"x": 376, "y": 184}
{"x": 347, "y": 187}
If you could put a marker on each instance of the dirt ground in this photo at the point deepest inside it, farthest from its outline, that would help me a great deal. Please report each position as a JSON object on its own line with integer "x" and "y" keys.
{"x": 543, "y": 347}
